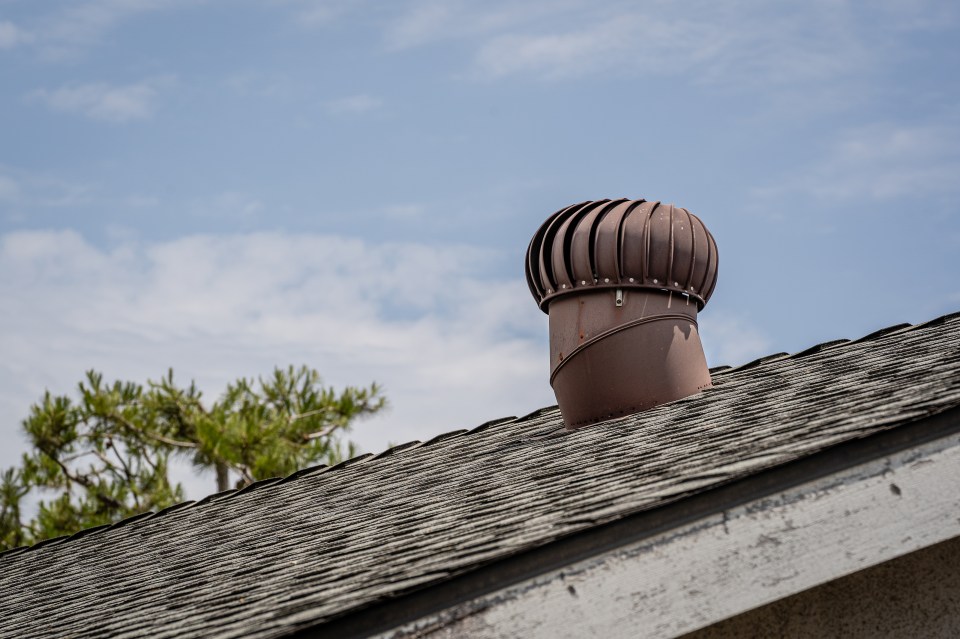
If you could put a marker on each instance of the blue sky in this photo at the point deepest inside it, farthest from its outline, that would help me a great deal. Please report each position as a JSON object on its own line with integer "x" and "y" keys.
{"x": 221, "y": 186}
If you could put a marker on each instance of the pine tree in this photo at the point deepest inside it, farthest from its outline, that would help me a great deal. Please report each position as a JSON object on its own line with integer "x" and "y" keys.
{"x": 107, "y": 456}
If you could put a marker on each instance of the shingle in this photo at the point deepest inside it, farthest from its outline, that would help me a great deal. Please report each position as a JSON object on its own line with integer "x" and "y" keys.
{"x": 290, "y": 553}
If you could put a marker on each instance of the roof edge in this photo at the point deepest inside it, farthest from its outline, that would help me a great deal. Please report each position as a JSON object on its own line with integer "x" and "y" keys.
{"x": 602, "y": 538}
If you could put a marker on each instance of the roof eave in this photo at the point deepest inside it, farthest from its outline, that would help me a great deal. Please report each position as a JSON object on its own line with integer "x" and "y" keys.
{"x": 453, "y": 594}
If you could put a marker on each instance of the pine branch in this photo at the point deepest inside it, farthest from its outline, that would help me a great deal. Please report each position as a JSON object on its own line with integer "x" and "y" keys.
{"x": 86, "y": 483}
{"x": 120, "y": 419}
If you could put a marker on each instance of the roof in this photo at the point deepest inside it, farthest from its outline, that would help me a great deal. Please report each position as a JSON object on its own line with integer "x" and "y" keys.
{"x": 284, "y": 555}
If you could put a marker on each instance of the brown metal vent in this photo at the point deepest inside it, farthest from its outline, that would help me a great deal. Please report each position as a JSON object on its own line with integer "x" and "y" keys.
{"x": 622, "y": 282}
{"x": 622, "y": 244}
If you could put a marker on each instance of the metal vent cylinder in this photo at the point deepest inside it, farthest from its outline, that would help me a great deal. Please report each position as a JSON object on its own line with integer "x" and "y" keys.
{"x": 622, "y": 282}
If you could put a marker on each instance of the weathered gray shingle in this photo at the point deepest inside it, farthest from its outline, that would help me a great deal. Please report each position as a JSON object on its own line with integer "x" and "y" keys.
{"x": 284, "y": 555}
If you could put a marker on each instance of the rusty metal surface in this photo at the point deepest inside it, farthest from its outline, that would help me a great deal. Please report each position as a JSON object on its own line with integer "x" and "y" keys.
{"x": 622, "y": 281}
{"x": 622, "y": 244}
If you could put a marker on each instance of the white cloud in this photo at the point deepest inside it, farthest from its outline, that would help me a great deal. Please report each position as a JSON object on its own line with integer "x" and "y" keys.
{"x": 360, "y": 103}
{"x": 452, "y": 347}
{"x": 11, "y": 35}
{"x": 101, "y": 101}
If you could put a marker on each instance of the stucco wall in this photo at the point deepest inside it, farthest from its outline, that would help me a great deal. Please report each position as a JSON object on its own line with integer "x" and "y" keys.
{"x": 917, "y": 595}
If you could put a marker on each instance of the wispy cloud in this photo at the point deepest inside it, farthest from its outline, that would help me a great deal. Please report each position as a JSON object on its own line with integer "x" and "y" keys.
{"x": 68, "y": 32}
{"x": 558, "y": 55}
{"x": 405, "y": 212}
{"x": 312, "y": 13}
{"x": 361, "y": 103}
{"x": 747, "y": 42}
{"x": 230, "y": 204}
{"x": 318, "y": 13}
{"x": 11, "y": 35}
{"x": 23, "y": 191}
{"x": 744, "y": 41}
{"x": 423, "y": 23}
{"x": 260, "y": 84}
{"x": 64, "y": 31}
{"x": 106, "y": 102}
{"x": 730, "y": 340}
{"x": 429, "y": 21}
{"x": 877, "y": 161}
{"x": 9, "y": 189}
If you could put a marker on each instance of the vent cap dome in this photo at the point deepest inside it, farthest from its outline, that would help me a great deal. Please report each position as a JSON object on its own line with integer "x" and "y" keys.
{"x": 622, "y": 244}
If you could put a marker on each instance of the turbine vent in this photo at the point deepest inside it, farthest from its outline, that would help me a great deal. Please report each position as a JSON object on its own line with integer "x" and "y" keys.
{"x": 622, "y": 281}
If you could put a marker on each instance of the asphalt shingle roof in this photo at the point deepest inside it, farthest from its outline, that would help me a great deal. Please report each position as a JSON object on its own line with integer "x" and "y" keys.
{"x": 287, "y": 554}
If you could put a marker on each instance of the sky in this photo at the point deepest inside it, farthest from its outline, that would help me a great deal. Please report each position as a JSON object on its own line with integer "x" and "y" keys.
{"x": 222, "y": 187}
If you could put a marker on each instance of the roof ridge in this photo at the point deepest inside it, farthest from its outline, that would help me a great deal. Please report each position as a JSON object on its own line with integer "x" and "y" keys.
{"x": 937, "y": 321}
{"x": 836, "y": 343}
{"x": 753, "y": 363}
